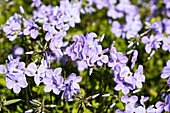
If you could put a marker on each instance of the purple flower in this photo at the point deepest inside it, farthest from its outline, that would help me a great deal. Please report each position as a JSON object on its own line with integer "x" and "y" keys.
{"x": 71, "y": 52}
{"x": 14, "y": 74}
{"x": 38, "y": 73}
{"x": 52, "y": 32}
{"x": 16, "y": 82}
{"x": 166, "y": 44}
{"x": 101, "y": 3}
{"x": 139, "y": 76}
{"x": 17, "y": 51}
{"x": 44, "y": 14}
{"x": 72, "y": 81}
{"x": 156, "y": 42}
{"x": 87, "y": 55}
{"x": 114, "y": 13}
{"x": 134, "y": 58}
{"x": 55, "y": 46}
{"x": 36, "y": 3}
{"x": 53, "y": 81}
{"x": 148, "y": 43}
{"x": 163, "y": 105}
{"x": 166, "y": 72}
{"x": 31, "y": 28}
{"x": 99, "y": 57}
{"x": 132, "y": 100}
{"x": 126, "y": 75}
{"x": 73, "y": 87}
{"x": 117, "y": 29}
{"x": 73, "y": 16}
{"x": 166, "y": 23}
{"x": 124, "y": 87}
{"x": 155, "y": 27}
{"x": 12, "y": 29}
{"x": 143, "y": 100}
{"x": 117, "y": 60}
{"x": 113, "y": 49}
{"x": 63, "y": 28}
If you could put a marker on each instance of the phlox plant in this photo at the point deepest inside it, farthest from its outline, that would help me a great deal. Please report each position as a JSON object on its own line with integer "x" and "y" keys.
{"x": 86, "y": 56}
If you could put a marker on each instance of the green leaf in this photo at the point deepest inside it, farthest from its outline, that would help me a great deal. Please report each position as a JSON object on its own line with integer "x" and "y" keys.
{"x": 11, "y": 101}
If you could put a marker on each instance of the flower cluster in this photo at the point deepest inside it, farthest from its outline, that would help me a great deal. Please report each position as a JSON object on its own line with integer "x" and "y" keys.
{"x": 14, "y": 74}
{"x": 131, "y": 105}
{"x": 88, "y": 49}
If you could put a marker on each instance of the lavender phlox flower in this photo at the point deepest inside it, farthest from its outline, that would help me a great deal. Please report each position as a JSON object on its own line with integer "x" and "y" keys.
{"x": 148, "y": 42}
{"x": 59, "y": 16}
{"x": 166, "y": 72}
{"x": 114, "y": 13}
{"x": 52, "y": 32}
{"x": 121, "y": 6}
{"x": 12, "y": 29}
{"x": 129, "y": 100}
{"x": 55, "y": 46}
{"x": 156, "y": 42}
{"x": 16, "y": 82}
{"x": 48, "y": 58}
{"x": 140, "y": 77}
{"x": 31, "y": 28}
{"x": 90, "y": 36}
{"x": 134, "y": 58}
{"x": 82, "y": 65}
{"x": 17, "y": 51}
{"x": 166, "y": 23}
{"x": 166, "y": 44}
{"x": 87, "y": 55}
{"x": 13, "y": 67}
{"x": 127, "y": 75}
{"x": 73, "y": 17}
{"x": 16, "y": 18}
{"x": 70, "y": 51}
{"x": 65, "y": 5}
{"x": 160, "y": 106}
{"x": 55, "y": 82}
{"x": 63, "y": 28}
{"x": 113, "y": 49}
{"x": 101, "y": 3}
{"x": 43, "y": 14}
{"x": 154, "y": 26}
{"x": 124, "y": 87}
{"x": 99, "y": 57}
{"x": 117, "y": 29}
{"x": 143, "y": 100}
{"x": 79, "y": 42}
{"x": 38, "y": 73}
{"x": 36, "y": 3}
{"x": 68, "y": 93}
{"x": 117, "y": 59}
{"x": 73, "y": 87}
{"x": 151, "y": 109}
{"x": 72, "y": 81}
{"x": 89, "y": 9}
